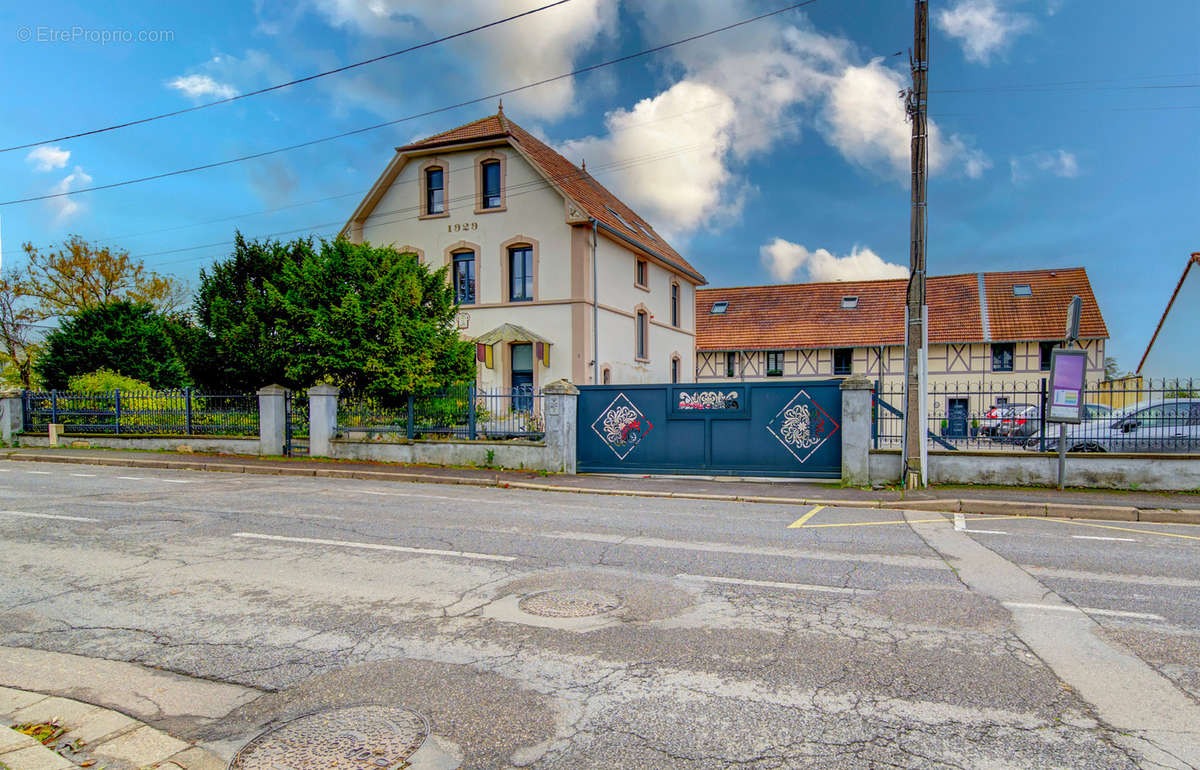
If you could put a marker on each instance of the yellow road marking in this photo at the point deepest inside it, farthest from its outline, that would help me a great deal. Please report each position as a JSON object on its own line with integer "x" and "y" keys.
{"x": 1124, "y": 529}
{"x": 800, "y": 521}
{"x": 873, "y": 523}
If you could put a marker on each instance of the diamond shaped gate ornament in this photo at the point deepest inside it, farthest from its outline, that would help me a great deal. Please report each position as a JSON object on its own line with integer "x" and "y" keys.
{"x": 621, "y": 426}
{"x": 802, "y": 426}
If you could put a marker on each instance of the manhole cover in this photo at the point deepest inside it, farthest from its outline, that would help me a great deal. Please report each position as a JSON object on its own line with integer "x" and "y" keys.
{"x": 570, "y": 603}
{"x": 356, "y": 737}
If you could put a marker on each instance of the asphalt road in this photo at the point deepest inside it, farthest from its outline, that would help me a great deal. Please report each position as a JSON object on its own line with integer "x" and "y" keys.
{"x": 745, "y": 635}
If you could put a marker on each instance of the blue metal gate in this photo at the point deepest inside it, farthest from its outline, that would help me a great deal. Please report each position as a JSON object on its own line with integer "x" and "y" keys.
{"x": 735, "y": 429}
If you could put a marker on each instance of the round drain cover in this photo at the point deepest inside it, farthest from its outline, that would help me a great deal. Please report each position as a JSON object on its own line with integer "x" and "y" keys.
{"x": 570, "y": 603}
{"x": 357, "y": 737}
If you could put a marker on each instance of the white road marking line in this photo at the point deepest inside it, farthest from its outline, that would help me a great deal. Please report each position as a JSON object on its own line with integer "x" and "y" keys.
{"x": 85, "y": 475}
{"x": 985, "y": 531}
{"x": 48, "y": 516}
{"x": 1097, "y": 537}
{"x": 132, "y": 478}
{"x": 774, "y": 584}
{"x": 174, "y": 481}
{"x": 1087, "y": 610}
{"x": 5, "y": 470}
{"x": 39, "y": 473}
{"x": 375, "y": 546}
{"x": 960, "y": 522}
{"x": 434, "y": 497}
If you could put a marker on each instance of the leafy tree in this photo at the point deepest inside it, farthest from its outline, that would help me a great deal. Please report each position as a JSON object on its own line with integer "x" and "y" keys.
{"x": 1112, "y": 370}
{"x": 368, "y": 319}
{"x": 129, "y": 338}
{"x": 17, "y": 324}
{"x": 104, "y": 381}
{"x": 247, "y": 333}
{"x": 81, "y": 275}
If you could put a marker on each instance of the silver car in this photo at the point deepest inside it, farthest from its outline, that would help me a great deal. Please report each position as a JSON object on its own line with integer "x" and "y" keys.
{"x": 1170, "y": 425}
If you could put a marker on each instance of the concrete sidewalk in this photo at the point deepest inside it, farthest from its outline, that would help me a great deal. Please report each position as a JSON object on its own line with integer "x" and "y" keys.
{"x": 80, "y": 734}
{"x": 1029, "y": 501}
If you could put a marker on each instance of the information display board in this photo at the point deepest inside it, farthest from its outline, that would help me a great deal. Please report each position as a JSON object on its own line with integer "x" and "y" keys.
{"x": 1067, "y": 381}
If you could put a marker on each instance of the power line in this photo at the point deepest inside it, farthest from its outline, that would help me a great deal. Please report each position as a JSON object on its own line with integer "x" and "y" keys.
{"x": 427, "y": 113}
{"x": 16, "y": 246}
{"x": 279, "y": 86}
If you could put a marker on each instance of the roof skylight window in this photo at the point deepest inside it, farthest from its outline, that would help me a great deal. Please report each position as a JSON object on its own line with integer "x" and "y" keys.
{"x": 1022, "y": 290}
{"x": 719, "y": 308}
{"x": 849, "y": 302}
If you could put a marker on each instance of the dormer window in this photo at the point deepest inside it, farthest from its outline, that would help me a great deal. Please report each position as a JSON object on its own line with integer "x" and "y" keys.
{"x": 490, "y": 172}
{"x": 719, "y": 308}
{"x": 435, "y": 191}
{"x": 1022, "y": 290}
{"x": 849, "y": 303}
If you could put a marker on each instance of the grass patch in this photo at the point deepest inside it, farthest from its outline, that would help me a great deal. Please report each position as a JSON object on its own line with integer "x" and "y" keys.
{"x": 44, "y": 733}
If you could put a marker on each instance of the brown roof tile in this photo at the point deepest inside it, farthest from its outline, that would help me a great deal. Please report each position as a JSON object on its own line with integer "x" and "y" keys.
{"x": 809, "y": 315}
{"x": 597, "y": 201}
{"x": 1042, "y": 316}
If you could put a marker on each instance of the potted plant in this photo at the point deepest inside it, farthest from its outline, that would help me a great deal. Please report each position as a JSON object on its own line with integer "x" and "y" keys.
{"x": 974, "y": 428}
{"x": 945, "y": 427}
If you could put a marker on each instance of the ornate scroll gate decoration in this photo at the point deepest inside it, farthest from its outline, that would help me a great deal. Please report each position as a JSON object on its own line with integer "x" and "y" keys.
{"x": 732, "y": 429}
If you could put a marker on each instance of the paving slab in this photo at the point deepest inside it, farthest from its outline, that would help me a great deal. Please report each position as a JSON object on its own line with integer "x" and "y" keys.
{"x": 1168, "y": 516}
{"x": 36, "y": 757}
{"x": 11, "y": 700}
{"x": 99, "y": 725}
{"x": 194, "y": 759}
{"x": 61, "y": 710}
{"x": 143, "y": 746}
{"x": 11, "y": 740}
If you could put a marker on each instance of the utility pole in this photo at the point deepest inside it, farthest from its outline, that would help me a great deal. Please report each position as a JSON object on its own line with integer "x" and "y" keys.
{"x": 916, "y": 104}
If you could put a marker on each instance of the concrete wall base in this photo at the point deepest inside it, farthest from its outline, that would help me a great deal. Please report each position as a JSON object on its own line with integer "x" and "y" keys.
{"x": 524, "y": 455}
{"x": 216, "y": 444}
{"x": 1166, "y": 473}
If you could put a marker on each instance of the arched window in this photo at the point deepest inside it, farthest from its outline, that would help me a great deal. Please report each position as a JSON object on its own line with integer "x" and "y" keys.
{"x": 489, "y": 172}
{"x": 520, "y": 273}
{"x": 464, "y": 277}
{"x": 606, "y": 376}
{"x": 641, "y": 348}
{"x": 674, "y": 304}
{"x": 675, "y": 369}
{"x": 435, "y": 191}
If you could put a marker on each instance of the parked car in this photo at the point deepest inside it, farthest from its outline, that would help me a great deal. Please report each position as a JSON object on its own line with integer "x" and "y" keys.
{"x": 989, "y": 424}
{"x": 1020, "y": 423}
{"x": 1091, "y": 413}
{"x": 1170, "y": 425}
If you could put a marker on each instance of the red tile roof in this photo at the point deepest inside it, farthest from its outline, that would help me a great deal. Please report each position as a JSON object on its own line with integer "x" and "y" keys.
{"x": 597, "y": 201}
{"x": 809, "y": 315}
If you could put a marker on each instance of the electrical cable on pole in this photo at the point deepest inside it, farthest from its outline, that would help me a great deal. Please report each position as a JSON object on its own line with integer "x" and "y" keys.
{"x": 917, "y": 106}
{"x": 278, "y": 86}
{"x": 426, "y": 113}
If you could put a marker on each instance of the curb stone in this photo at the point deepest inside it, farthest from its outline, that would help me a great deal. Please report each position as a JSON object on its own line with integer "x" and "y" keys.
{"x": 944, "y": 505}
{"x": 104, "y": 736}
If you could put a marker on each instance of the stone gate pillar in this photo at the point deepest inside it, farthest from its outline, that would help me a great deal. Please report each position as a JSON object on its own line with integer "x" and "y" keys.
{"x": 322, "y": 419}
{"x": 272, "y": 422}
{"x": 562, "y": 423}
{"x": 856, "y": 431}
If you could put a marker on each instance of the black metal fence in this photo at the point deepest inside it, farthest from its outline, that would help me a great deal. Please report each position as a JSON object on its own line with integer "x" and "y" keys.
{"x": 465, "y": 412}
{"x": 152, "y": 412}
{"x": 1132, "y": 414}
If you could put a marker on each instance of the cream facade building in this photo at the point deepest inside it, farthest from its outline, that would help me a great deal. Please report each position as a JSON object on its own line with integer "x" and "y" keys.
{"x": 987, "y": 332}
{"x": 556, "y": 277}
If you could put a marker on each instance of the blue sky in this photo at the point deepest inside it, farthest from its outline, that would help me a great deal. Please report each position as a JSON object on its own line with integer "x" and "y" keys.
{"x": 1067, "y": 132}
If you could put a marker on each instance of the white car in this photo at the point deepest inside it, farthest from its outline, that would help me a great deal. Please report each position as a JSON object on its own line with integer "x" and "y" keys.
{"x": 1169, "y": 425}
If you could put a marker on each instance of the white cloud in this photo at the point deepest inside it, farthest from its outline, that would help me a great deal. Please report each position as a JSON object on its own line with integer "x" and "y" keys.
{"x": 667, "y": 154}
{"x": 518, "y": 52}
{"x": 1058, "y": 163}
{"x": 47, "y": 158}
{"x": 67, "y": 207}
{"x": 866, "y": 121}
{"x": 982, "y": 27}
{"x": 200, "y": 86}
{"x": 784, "y": 260}
{"x": 675, "y": 157}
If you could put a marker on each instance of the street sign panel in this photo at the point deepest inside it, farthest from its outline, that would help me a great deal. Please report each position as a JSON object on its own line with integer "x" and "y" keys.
{"x": 1067, "y": 381}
